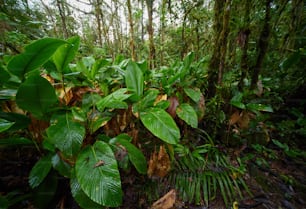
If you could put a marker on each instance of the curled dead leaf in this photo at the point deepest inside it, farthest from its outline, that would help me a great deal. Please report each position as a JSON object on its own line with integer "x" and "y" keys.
{"x": 165, "y": 202}
{"x": 173, "y": 105}
{"x": 159, "y": 163}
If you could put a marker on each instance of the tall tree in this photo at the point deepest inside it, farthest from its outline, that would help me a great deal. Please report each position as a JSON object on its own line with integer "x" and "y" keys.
{"x": 61, "y": 8}
{"x": 132, "y": 43}
{"x": 262, "y": 46}
{"x": 150, "y": 29}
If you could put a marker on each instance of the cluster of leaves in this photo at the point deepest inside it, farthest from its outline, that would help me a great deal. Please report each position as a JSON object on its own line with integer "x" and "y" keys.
{"x": 72, "y": 103}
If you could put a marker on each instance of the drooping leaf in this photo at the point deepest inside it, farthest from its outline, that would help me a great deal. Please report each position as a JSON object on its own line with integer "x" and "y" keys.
{"x": 187, "y": 114}
{"x": 40, "y": 171}
{"x": 35, "y": 55}
{"x": 61, "y": 166}
{"x": 65, "y": 54}
{"x": 20, "y": 121}
{"x": 78, "y": 194}
{"x": 7, "y": 94}
{"x": 194, "y": 94}
{"x": 135, "y": 155}
{"x": 4, "y": 125}
{"x": 15, "y": 141}
{"x": 147, "y": 101}
{"x": 134, "y": 80}
{"x": 66, "y": 134}
{"x": 36, "y": 95}
{"x": 97, "y": 173}
{"x": 238, "y": 104}
{"x": 161, "y": 124}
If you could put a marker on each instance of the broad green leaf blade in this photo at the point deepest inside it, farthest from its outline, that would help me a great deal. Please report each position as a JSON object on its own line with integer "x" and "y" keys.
{"x": 114, "y": 100}
{"x": 259, "y": 107}
{"x": 35, "y": 55}
{"x": 134, "y": 80}
{"x": 66, "y": 134}
{"x": 194, "y": 94}
{"x": 36, "y": 95}
{"x": 161, "y": 124}
{"x": 20, "y": 121}
{"x": 78, "y": 194}
{"x": 40, "y": 171}
{"x": 61, "y": 166}
{"x": 5, "y": 124}
{"x": 65, "y": 54}
{"x": 238, "y": 104}
{"x": 97, "y": 173}
{"x": 187, "y": 114}
{"x": 135, "y": 155}
{"x": 147, "y": 101}
{"x": 15, "y": 141}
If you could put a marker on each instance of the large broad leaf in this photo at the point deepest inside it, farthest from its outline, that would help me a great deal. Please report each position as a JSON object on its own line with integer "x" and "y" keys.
{"x": 36, "y": 95}
{"x": 147, "y": 101}
{"x": 134, "y": 80}
{"x": 35, "y": 55}
{"x": 66, "y": 134}
{"x": 135, "y": 155}
{"x": 78, "y": 194}
{"x": 65, "y": 54}
{"x": 188, "y": 114}
{"x": 114, "y": 100}
{"x": 40, "y": 171}
{"x": 161, "y": 124}
{"x": 97, "y": 173}
{"x": 15, "y": 141}
{"x": 61, "y": 166}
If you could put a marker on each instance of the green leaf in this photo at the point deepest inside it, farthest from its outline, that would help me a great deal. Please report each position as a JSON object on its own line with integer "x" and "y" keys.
{"x": 65, "y": 54}
{"x": 36, "y": 95}
{"x": 187, "y": 114}
{"x": 35, "y": 55}
{"x": 161, "y": 124}
{"x": 194, "y": 94}
{"x": 114, "y": 100}
{"x": 135, "y": 155}
{"x": 6, "y": 94}
{"x": 259, "y": 107}
{"x": 61, "y": 166}
{"x": 78, "y": 194}
{"x": 4, "y": 125}
{"x": 4, "y": 203}
{"x": 134, "y": 80}
{"x": 98, "y": 174}
{"x": 20, "y": 121}
{"x": 40, "y": 171}
{"x": 15, "y": 141}
{"x": 238, "y": 104}
{"x": 66, "y": 134}
{"x": 147, "y": 101}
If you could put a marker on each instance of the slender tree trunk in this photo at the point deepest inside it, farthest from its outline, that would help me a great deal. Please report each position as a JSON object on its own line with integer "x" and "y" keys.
{"x": 97, "y": 9}
{"x": 262, "y": 46}
{"x": 132, "y": 44}
{"x": 152, "y": 55}
{"x": 243, "y": 40}
{"x": 61, "y": 9}
{"x": 162, "y": 30}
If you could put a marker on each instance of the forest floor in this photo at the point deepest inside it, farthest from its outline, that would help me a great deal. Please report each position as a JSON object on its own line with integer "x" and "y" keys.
{"x": 281, "y": 185}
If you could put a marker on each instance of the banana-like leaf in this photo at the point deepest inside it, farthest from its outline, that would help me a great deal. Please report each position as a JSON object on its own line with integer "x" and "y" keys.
{"x": 114, "y": 100}
{"x": 4, "y": 125}
{"x": 36, "y": 95}
{"x": 161, "y": 124}
{"x": 194, "y": 94}
{"x": 65, "y": 54}
{"x": 35, "y": 55}
{"x": 97, "y": 173}
{"x": 134, "y": 80}
{"x": 66, "y": 134}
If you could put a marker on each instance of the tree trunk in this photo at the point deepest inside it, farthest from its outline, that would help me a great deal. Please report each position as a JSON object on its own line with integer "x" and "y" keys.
{"x": 151, "y": 35}
{"x": 262, "y": 46}
{"x": 61, "y": 9}
{"x": 132, "y": 45}
{"x": 162, "y": 30}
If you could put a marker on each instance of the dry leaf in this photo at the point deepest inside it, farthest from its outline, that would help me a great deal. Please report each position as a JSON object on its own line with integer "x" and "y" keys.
{"x": 244, "y": 120}
{"x": 159, "y": 163}
{"x": 160, "y": 98}
{"x": 173, "y": 105}
{"x": 234, "y": 118}
{"x": 166, "y": 202}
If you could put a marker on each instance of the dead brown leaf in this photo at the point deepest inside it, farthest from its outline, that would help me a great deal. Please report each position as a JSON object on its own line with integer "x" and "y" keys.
{"x": 159, "y": 163}
{"x": 166, "y": 202}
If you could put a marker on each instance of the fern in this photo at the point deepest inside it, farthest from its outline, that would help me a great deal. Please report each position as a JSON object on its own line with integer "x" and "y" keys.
{"x": 200, "y": 174}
